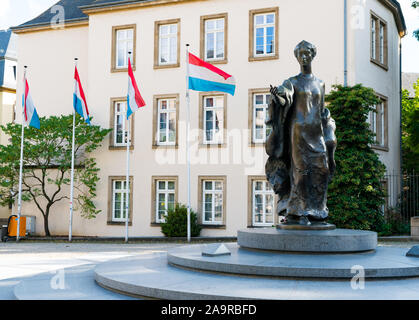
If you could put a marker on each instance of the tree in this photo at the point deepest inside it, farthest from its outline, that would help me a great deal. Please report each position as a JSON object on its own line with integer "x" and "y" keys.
{"x": 355, "y": 193}
{"x": 415, "y": 4}
{"x": 47, "y": 165}
{"x": 410, "y": 129}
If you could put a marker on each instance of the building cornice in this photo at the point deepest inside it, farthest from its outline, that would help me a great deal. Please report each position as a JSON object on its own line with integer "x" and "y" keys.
{"x": 81, "y": 22}
{"x": 395, "y": 8}
{"x": 8, "y": 90}
{"x": 127, "y": 5}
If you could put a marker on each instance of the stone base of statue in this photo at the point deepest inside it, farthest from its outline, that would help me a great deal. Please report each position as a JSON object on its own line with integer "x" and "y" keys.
{"x": 312, "y": 226}
{"x": 307, "y": 240}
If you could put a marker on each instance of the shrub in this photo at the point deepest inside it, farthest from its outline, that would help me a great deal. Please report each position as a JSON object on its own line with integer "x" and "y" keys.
{"x": 394, "y": 225}
{"x": 355, "y": 193}
{"x": 176, "y": 223}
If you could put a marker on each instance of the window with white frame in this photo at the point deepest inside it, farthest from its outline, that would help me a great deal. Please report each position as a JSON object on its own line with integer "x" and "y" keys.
{"x": 377, "y": 122}
{"x": 124, "y": 44}
{"x": 212, "y": 204}
{"x": 119, "y": 197}
{"x": 264, "y": 34}
{"x": 120, "y": 124}
{"x": 381, "y": 44}
{"x": 262, "y": 203}
{"x": 165, "y": 198}
{"x": 261, "y": 131}
{"x": 378, "y": 40}
{"x": 166, "y": 118}
{"x": 213, "y": 120}
{"x": 214, "y": 39}
{"x": 168, "y": 42}
{"x": 373, "y": 38}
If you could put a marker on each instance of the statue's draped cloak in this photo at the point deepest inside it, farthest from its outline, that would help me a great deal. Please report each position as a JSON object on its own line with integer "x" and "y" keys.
{"x": 300, "y": 148}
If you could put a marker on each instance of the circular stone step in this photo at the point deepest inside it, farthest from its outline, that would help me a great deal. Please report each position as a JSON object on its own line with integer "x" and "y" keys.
{"x": 338, "y": 240}
{"x": 382, "y": 263}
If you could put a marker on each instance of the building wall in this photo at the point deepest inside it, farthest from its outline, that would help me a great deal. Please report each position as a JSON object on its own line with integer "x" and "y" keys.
{"x": 52, "y": 68}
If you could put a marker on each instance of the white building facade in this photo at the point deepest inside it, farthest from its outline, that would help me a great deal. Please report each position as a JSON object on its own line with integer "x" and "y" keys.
{"x": 252, "y": 40}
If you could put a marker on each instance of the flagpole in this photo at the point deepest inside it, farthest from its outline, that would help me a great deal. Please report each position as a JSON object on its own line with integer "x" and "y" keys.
{"x": 70, "y": 231}
{"x": 127, "y": 177}
{"x": 19, "y": 205}
{"x": 188, "y": 156}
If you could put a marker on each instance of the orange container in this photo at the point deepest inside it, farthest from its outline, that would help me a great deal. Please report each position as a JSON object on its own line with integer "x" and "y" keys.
{"x": 13, "y": 227}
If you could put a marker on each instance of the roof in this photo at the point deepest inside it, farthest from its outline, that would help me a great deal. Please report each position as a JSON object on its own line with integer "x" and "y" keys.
{"x": 408, "y": 79}
{"x": 71, "y": 10}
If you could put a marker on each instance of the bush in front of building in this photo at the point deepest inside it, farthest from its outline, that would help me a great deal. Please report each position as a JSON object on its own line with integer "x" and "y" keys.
{"x": 356, "y": 196}
{"x": 175, "y": 224}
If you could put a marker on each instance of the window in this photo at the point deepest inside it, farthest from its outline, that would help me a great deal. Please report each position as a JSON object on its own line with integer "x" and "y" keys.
{"x": 117, "y": 200}
{"x": 212, "y": 206}
{"x": 262, "y": 203}
{"x": 214, "y": 38}
{"x": 378, "y": 123}
{"x": 123, "y": 41}
{"x": 212, "y": 201}
{"x": 119, "y": 124}
{"x": 264, "y": 34}
{"x": 167, "y": 43}
{"x": 165, "y": 120}
{"x": 213, "y": 119}
{"x": 378, "y": 41}
{"x": 259, "y": 107}
{"x": 165, "y": 198}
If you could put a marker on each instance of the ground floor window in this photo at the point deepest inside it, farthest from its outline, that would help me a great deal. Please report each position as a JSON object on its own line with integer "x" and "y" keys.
{"x": 165, "y": 198}
{"x": 262, "y": 203}
{"x": 212, "y": 200}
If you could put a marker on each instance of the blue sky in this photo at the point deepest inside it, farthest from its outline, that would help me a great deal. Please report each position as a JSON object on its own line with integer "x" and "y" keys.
{"x": 15, "y": 12}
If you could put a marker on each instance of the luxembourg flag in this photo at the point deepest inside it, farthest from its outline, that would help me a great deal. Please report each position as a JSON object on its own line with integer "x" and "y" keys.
{"x": 134, "y": 99}
{"x": 31, "y": 116}
{"x": 79, "y": 99}
{"x": 203, "y": 76}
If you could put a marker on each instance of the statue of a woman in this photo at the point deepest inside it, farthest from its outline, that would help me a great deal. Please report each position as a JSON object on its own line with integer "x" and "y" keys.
{"x": 302, "y": 144}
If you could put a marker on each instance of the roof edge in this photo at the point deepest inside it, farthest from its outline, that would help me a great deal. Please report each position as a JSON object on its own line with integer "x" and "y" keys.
{"x": 396, "y": 9}
{"x": 47, "y": 26}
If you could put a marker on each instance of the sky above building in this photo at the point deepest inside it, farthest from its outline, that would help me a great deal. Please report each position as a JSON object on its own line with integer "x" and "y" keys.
{"x": 15, "y": 12}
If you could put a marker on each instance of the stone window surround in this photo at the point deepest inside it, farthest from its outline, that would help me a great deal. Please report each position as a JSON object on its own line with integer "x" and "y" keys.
{"x": 201, "y": 179}
{"x": 202, "y": 37}
{"x": 134, "y": 46}
{"x": 379, "y": 21}
{"x": 157, "y": 25}
{"x": 203, "y": 95}
{"x": 111, "y": 179}
{"x": 252, "y": 14}
{"x": 154, "y": 180}
{"x": 111, "y": 125}
{"x": 250, "y": 180}
{"x": 156, "y": 98}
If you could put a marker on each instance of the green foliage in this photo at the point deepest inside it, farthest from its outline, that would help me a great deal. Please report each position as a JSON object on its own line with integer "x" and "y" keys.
{"x": 355, "y": 194}
{"x": 47, "y": 164}
{"x": 410, "y": 129}
{"x": 176, "y": 223}
{"x": 415, "y": 5}
{"x": 394, "y": 225}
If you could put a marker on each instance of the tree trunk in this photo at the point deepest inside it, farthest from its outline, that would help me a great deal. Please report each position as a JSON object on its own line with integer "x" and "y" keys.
{"x": 46, "y": 227}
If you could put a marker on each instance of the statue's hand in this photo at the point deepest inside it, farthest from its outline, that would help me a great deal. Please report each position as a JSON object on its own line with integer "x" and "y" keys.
{"x": 276, "y": 94}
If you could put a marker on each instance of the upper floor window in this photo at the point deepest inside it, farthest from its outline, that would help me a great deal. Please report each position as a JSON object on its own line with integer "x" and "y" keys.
{"x": 378, "y": 124}
{"x": 214, "y": 38}
{"x": 379, "y": 41}
{"x": 123, "y": 42}
{"x": 260, "y": 130}
{"x": 213, "y": 119}
{"x": 264, "y": 34}
{"x": 167, "y": 40}
{"x": 119, "y": 124}
{"x": 166, "y": 122}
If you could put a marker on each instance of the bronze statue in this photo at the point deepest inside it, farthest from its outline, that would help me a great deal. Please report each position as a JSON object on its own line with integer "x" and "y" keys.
{"x": 302, "y": 144}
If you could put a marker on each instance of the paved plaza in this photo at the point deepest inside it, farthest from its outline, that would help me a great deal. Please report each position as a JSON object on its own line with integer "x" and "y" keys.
{"x": 47, "y": 270}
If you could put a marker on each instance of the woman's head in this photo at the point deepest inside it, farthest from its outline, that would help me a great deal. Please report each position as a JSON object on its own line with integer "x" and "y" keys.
{"x": 305, "y": 52}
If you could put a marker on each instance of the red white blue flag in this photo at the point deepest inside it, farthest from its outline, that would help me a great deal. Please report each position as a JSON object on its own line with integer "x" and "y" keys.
{"x": 30, "y": 115}
{"x": 134, "y": 99}
{"x": 79, "y": 99}
{"x": 203, "y": 76}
